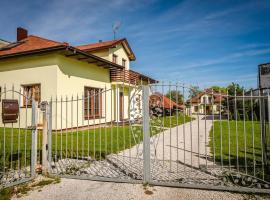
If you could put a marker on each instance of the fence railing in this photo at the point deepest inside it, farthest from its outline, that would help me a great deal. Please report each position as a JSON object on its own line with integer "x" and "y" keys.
{"x": 144, "y": 133}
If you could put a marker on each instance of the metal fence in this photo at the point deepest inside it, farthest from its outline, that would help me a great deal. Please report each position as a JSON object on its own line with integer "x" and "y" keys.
{"x": 221, "y": 142}
{"x": 157, "y": 134}
{"x": 18, "y": 141}
{"x": 97, "y": 135}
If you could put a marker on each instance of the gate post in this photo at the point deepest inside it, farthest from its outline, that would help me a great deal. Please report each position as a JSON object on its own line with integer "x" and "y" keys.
{"x": 50, "y": 135}
{"x": 44, "y": 109}
{"x": 146, "y": 134}
{"x": 34, "y": 139}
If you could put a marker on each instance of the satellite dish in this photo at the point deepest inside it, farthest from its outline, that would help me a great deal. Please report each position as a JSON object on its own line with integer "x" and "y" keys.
{"x": 116, "y": 26}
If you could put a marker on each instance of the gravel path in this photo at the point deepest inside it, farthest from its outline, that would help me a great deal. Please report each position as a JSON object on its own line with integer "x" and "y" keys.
{"x": 70, "y": 189}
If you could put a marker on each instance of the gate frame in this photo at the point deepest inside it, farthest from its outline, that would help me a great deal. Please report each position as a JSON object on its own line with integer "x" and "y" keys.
{"x": 147, "y": 176}
{"x": 146, "y": 135}
{"x": 34, "y": 137}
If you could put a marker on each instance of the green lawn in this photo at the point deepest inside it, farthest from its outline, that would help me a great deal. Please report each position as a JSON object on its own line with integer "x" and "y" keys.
{"x": 171, "y": 121}
{"x": 93, "y": 142}
{"x": 221, "y": 138}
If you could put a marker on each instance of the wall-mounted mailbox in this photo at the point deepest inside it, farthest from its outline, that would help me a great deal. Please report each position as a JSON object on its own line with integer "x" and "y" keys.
{"x": 10, "y": 110}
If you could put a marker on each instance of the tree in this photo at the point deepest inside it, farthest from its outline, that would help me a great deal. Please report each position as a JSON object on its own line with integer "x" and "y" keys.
{"x": 235, "y": 88}
{"x": 175, "y": 96}
{"x": 217, "y": 89}
{"x": 193, "y": 91}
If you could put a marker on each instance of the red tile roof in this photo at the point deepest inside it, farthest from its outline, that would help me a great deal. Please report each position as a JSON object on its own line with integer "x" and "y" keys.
{"x": 157, "y": 99}
{"x": 29, "y": 44}
{"x": 34, "y": 44}
{"x": 217, "y": 97}
{"x": 95, "y": 46}
{"x": 108, "y": 44}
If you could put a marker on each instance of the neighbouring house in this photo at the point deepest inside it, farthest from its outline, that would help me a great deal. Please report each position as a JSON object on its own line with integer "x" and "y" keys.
{"x": 162, "y": 105}
{"x": 45, "y": 69}
{"x": 3, "y": 43}
{"x": 205, "y": 103}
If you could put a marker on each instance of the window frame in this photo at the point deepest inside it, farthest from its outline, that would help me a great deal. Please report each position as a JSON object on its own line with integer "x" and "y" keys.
{"x": 23, "y": 102}
{"x": 124, "y": 62}
{"x": 114, "y": 58}
{"x": 91, "y": 114}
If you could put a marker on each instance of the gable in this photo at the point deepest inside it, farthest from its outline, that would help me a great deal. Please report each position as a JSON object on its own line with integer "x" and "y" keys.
{"x": 95, "y": 47}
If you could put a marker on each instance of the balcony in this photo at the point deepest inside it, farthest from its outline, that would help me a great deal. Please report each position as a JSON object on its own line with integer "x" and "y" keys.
{"x": 129, "y": 76}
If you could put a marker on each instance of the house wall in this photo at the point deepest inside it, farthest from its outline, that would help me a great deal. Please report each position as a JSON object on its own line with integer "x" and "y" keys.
{"x": 72, "y": 77}
{"x": 29, "y": 70}
{"x": 129, "y": 104}
{"x": 3, "y": 43}
{"x": 121, "y": 53}
{"x": 201, "y": 109}
{"x": 207, "y": 98}
{"x": 63, "y": 78}
{"x": 108, "y": 55}
{"x": 103, "y": 54}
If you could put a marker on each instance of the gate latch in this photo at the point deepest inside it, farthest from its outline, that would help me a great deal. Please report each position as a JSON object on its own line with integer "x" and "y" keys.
{"x": 32, "y": 128}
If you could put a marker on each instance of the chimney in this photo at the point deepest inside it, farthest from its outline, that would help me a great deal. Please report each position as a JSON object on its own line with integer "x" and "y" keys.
{"x": 21, "y": 34}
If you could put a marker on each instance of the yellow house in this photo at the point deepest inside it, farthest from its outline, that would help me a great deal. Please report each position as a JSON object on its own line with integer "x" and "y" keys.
{"x": 206, "y": 102}
{"x": 48, "y": 70}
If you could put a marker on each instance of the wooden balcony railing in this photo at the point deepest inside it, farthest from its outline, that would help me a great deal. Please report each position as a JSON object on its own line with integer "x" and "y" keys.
{"x": 129, "y": 76}
{"x": 126, "y": 76}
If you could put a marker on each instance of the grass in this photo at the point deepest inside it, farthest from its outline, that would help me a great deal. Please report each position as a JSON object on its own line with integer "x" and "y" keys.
{"x": 6, "y": 194}
{"x": 171, "y": 121}
{"x": 232, "y": 142}
{"x": 96, "y": 143}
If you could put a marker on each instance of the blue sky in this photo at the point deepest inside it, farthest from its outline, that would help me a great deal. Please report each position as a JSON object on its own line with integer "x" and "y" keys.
{"x": 193, "y": 42}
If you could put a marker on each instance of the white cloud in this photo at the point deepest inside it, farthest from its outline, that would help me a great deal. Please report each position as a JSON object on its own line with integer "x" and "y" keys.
{"x": 225, "y": 59}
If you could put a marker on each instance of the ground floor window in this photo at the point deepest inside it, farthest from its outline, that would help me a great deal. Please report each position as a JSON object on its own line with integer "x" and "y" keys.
{"x": 195, "y": 108}
{"x": 30, "y": 92}
{"x": 92, "y": 103}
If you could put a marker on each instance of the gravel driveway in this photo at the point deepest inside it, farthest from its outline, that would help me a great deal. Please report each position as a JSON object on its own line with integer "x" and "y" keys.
{"x": 70, "y": 189}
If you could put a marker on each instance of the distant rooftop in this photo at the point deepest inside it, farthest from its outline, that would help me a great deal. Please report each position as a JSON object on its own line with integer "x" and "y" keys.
{"x": 3, "y": 43}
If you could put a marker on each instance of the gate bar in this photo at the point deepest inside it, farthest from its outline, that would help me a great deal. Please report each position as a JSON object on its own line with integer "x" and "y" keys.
{"x": 146, "y": 134}
{"x": 34, "y": 139}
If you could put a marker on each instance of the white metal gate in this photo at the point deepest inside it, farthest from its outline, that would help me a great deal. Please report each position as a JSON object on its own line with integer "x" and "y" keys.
{"x": 139, "y": 134}
{"x": 89, "y": 140}
{"x": 215, "y": 141}
{"x": 18, "y": 140}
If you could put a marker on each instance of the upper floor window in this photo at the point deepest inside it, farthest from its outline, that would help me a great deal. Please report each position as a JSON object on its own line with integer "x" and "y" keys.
{"x": 124, "y": 62}
{"x": 204, "y": 100}
{"x": 114, "y": 59}
{"x": 31, "y": 92}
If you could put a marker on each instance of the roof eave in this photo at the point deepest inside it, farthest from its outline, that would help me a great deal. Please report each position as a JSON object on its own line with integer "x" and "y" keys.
{"x": 81, "y": 52}
{"x": 59, "y": 48}
{"x": 33, "y": 52}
